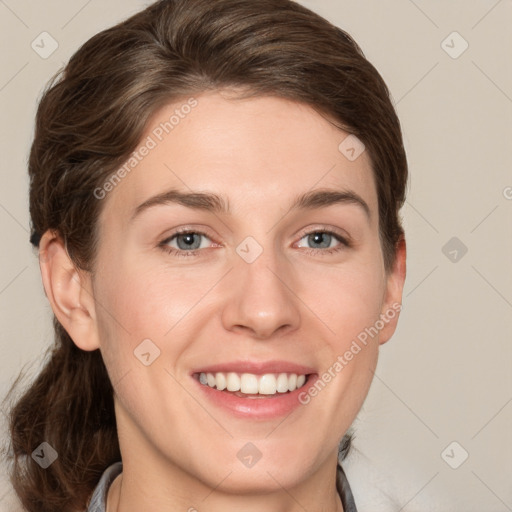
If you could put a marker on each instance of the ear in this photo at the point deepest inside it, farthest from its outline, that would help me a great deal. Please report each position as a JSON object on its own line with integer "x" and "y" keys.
{"x": 69, "y": 292}
{"x": 392, "y": 303}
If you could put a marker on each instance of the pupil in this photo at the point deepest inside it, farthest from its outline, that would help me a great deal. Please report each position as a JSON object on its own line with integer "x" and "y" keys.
{"x": 323, "y": 239}
{"x": 186, "y": 241}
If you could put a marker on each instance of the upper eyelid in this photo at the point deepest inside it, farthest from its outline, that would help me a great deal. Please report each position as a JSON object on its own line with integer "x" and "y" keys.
{"x": 325, "y": 229}
{"x": 186, "y": 231}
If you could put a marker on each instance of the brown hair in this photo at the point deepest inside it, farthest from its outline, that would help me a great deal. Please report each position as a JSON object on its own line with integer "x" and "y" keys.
{"x": 91, "y": 118}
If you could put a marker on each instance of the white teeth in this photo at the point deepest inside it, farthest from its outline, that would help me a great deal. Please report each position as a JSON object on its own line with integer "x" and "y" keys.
{"x": 249, "y": 383}
{"x": 268, "y": 384}
{"x": 292, "y": 382}
{"x": 232, "y": 382}
{"x": 282, "y": 383}
{"x": 221, "y": 381}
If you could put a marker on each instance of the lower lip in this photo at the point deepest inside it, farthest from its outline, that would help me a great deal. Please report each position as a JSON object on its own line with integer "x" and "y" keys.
{"x": 274, "y": 406}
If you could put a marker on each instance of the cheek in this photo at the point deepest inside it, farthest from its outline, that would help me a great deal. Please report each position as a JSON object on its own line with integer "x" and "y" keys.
{"x": 345, "y": 299}
{"x": 141, "y": 303}
{"x": 136, "y": 323}
{"x": 150, "y": 301}
{"x": 347, "y": 302}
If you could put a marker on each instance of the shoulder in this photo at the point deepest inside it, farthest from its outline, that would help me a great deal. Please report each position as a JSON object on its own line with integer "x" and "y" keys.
{"x": 99, "y": 495}
{"x": 344, "y": 490}
{"x": 371, "y": 488}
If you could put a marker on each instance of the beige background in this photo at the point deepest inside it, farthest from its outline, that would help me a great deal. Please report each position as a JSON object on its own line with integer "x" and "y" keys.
{"x": 447, "y": 374}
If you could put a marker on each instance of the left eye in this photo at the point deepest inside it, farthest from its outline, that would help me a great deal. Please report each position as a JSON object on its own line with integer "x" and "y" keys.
{"x": 321, "y": 240}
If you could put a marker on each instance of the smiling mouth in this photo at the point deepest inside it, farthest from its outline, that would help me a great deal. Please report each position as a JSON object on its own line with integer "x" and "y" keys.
{"x": 250, "y": 385}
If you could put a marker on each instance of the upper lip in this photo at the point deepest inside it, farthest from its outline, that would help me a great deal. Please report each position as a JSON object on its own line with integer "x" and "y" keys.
{"x": 256, "y": 367}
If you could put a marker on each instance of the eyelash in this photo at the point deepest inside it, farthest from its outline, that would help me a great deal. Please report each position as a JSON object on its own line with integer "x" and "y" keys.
{"x": 344, "y": 243}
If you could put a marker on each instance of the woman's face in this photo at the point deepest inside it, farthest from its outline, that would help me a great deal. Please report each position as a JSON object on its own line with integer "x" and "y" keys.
{"x": 280, "y": 274}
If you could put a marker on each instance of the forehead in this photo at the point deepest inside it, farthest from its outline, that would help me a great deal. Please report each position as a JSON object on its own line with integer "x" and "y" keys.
{"x": 256, "y": 151}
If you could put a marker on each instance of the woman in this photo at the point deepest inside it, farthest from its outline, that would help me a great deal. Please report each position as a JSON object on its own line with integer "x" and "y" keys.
{"x": 215, "y": 194}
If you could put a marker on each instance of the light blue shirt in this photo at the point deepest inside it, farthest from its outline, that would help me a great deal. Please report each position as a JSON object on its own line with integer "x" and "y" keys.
{"x": 98, "y": 501}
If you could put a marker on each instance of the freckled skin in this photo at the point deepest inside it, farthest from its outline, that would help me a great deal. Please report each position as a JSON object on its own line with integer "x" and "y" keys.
{"x": 293, "y": 303}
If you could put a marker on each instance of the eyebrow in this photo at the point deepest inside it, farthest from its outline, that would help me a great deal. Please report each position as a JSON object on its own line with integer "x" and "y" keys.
{"x": 211, "y": 202}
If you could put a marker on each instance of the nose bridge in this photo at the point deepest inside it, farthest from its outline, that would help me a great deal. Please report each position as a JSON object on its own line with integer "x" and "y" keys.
{"x": 259, "y": 299}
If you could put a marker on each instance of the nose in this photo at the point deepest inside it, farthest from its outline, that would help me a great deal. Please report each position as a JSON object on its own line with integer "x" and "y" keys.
{"x": 260, "y": 298}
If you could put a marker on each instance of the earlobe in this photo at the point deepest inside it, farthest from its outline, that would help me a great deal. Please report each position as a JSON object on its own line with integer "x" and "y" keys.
{"x": 69, "y": 292}
{"x": 392, "y": 303}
